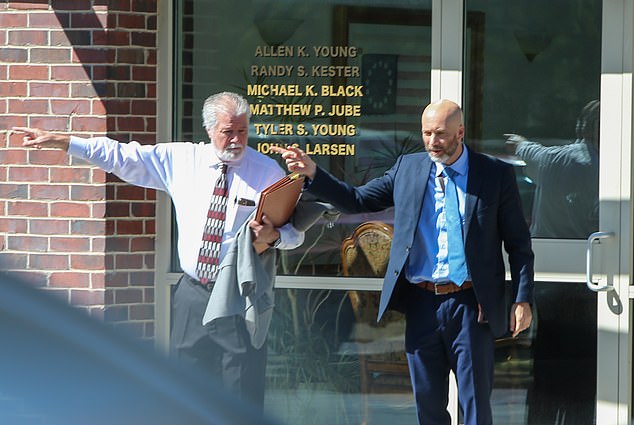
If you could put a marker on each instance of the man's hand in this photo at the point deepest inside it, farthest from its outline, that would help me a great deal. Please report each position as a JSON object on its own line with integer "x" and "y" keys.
{"x": 521, "y": 318}
{"x": 297, "y": 161}
{"x": 264, "y": 232}
{"x": 36, "y": 138}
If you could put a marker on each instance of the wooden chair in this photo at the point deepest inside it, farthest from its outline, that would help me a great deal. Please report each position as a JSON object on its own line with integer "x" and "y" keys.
{"x": 380, "y": 346}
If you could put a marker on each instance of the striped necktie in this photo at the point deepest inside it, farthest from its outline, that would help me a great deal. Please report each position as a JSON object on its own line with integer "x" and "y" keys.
{"x": 455, "y": 250}
{"x": 209, "y": 254}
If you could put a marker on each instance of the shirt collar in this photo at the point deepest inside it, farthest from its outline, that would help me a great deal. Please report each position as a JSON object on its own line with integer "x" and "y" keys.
{"x": 460, "y": 166}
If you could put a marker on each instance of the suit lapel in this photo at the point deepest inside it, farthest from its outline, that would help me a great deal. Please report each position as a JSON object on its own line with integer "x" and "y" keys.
{"x": 474, "y": 185}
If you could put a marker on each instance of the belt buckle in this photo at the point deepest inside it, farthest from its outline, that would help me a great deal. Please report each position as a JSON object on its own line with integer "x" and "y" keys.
{"x": 436, "y": 286}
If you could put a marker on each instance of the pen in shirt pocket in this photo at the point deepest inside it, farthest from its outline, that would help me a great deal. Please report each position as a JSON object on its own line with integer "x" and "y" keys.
{"x": 245, "y": 202}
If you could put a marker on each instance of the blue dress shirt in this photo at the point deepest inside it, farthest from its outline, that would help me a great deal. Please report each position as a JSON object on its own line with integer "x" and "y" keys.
{"x": 428, "y": 257}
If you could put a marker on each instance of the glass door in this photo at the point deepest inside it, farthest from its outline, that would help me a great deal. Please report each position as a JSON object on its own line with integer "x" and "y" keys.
{"x": 551, "y": 102}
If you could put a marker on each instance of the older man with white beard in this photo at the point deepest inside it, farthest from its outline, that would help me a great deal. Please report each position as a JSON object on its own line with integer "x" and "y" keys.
{"x": 214, "y": 188}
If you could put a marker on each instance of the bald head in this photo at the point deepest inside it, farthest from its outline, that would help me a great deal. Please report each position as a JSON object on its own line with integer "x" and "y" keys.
{"x": 443, "y": 131}
{"x": 449, "y": 111}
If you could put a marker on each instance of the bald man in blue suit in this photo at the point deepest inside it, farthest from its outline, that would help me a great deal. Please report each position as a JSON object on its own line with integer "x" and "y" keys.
{"x": 451, "y": 321}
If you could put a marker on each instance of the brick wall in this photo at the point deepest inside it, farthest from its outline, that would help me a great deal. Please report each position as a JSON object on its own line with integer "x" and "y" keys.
{"x": 86, "y": 68}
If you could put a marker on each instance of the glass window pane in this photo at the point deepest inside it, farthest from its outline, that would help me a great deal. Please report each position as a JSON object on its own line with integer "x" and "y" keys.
{"x": 331, "y": 363}
{"x": 536, "y": 105}
{"x": 344, "y": 80}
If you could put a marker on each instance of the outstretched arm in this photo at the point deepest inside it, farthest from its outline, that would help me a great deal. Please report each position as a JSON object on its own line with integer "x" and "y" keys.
{"x": 36, "y": 138}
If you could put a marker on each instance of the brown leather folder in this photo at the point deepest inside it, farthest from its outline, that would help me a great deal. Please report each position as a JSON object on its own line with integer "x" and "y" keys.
{"x": 278, "y": 201}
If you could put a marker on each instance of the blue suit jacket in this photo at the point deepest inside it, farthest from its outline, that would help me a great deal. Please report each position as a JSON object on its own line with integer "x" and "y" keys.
{"x": 493, "y": 217}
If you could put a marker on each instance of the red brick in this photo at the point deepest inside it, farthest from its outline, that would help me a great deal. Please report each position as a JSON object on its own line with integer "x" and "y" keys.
{"x": 118, "y": 209}
{"x": 98, "y": 209}
{"x": 86, "y": 297}
{"x": 118, "y": 245}
{"x": 150, "y": 227}
{"x": 117, "y": 106}
{"x": 88, "y": 20}
{"x": 129, "y": 227}
{"x": 38, "y": 89}
{"x": 49, "y": 123}
{"x": 87, "y": 193}
{"x": 27, "y": 208}
{"x": 69, "y": 73}
{"x": 29, "y": 5}
{"x": 92, "y": 124}
{"x": 48, "y": 20}
{"x": 142, "y": 244}
{"x": 50, "y": 55}
{"x": 70, "y": 209}
{"x": 110, "y": 227}
{"x": 12, "y": 261}
{"x": 12, "y": 156}
{"x": 28, "y": 72}
{"x": 28, "y": 174}
{"x": 142, "y": 312}
{"x": 146, "y": 39}
{"x": 128, "y": 261}
{"x": 97, "y": 244}
{"x": 116, "y": 314}
{"x": 116, "y": 279}
{"x": 98, "y": 280}
{"x": 70, "y": 175}
{"x": 68, "y": 107}
{"x": 70, "y": 5}
{"x": 49, "y": 192}
{"x": 148, "y": 294}
{"x": 49, "y": 262}
{"x": 9, "y": 121}
{"x": 150, "y": 124}
{"x": 128, "y": 296}
{"x": 47, "y": 157}
{"x": 28, "y": 106}
{"x": 28, "y": 38}
{"x": 27, "y": 243}
{"x": 129, "y": 192}
{"x": 144, "y": 107}
{"x": 33, "y": 278}
{"x": 13, "y": 20}
{"x": 88, "y": 227}
{"x": 98, "y": 176}
{"x": 13, "y": 225}
{"x": 70, "y": 244}
{"x": 14, "y": 191}
{"x": 69, "y": 279}
{"x": 13, "y": 89}
{"x": 130, "y": 124}
{"x": 142, "y": 278}
{"x": 93, "y": 55}
{"x": 49, "y": 227}
{"x": 87, "y": 262}
{"x": 150, "y": 194}
{"x": 143, "y": 209}
{"x": 85, "y": 89}
{"x": 132, "y": 21}
{"x": 118, "y": 38}
{"x": 98, "y": 107}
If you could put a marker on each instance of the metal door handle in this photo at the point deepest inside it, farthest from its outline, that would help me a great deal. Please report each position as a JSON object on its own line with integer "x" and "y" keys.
{"x": 597, "y": 236}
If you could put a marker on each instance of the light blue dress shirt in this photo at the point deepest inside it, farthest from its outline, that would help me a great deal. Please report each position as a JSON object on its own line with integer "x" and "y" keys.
{"x": 428, "y": 257}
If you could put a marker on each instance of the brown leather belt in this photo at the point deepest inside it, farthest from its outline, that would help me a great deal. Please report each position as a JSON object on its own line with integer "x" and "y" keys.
{"x": 444, "y": 288}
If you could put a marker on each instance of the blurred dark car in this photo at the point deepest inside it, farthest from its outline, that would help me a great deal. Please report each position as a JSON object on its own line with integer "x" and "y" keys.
{"x": 59, "y": 366}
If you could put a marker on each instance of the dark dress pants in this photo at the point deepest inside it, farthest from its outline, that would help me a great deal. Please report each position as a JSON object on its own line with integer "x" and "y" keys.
{"x": 443, "y": 334}
{"x": 222, "y": 349}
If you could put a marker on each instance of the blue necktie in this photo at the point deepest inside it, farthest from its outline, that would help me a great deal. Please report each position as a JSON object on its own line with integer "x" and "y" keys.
{"x": 455, "y": 250}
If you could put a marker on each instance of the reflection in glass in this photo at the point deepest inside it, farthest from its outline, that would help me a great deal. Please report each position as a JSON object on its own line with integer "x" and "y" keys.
{"x": 331, "y": 363}
{"x": 541, "y": 65}
{"x": 541, "y": 79}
